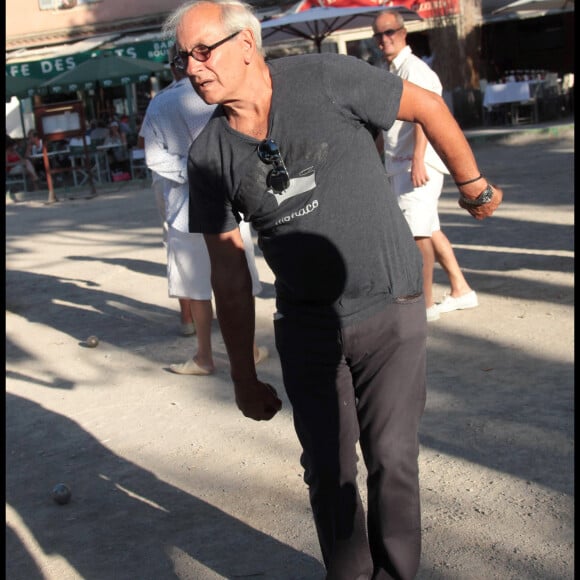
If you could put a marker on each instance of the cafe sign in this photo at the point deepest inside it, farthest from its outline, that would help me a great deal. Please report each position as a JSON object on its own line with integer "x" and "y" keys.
{"x": 46, "y": 68}
{"x": 147, "y": 50}
{"x": 154, "y": 50}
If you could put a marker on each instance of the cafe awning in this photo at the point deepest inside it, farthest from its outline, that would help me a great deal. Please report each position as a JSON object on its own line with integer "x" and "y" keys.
{"x": 49, "y": 61}
{"x": 105, "y": 70}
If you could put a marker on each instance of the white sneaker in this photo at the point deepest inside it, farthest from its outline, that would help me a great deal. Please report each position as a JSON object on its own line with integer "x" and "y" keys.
{"x": 449, "y": 303}
{"x": 432, "y": 313}
{"x": 189, "y": 367}
{"x": 261, "y": 355}
{"x": 187, "y": 329}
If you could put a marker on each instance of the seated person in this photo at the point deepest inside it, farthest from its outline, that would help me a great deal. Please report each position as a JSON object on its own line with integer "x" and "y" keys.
{"x": 124, "y": 125}
{"x": 98, "y": 132}
{"x": 34, "y": 147}
{"x": 16, "y": 164}
{"x": 33, "y": 143}
{"x": 117, "y": 154}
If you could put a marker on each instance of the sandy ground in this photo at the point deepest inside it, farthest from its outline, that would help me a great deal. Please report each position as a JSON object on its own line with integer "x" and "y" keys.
{"x": 169, "y": 480}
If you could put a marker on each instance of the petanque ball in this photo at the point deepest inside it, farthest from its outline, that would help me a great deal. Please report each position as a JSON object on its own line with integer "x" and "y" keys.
{"x": 61, "y": 493}
{"x": 92, "y": 341}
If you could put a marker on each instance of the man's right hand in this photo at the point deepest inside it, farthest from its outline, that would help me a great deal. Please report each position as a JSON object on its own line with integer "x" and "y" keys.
{"x": 257, "y": 400}
{"x": 480, "y": 212}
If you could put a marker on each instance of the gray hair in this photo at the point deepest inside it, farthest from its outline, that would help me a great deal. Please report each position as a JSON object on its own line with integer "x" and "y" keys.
{"x": 398, "y": 16}
{"x": 234, "y": 15}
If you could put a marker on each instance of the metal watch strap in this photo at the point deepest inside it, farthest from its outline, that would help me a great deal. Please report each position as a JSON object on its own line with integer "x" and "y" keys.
{"x": 483, "y": 198}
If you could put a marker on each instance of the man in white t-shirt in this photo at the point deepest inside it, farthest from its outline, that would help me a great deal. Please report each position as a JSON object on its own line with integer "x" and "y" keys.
{"x": 417, "y": 172}
{"x": 173, "y": 120}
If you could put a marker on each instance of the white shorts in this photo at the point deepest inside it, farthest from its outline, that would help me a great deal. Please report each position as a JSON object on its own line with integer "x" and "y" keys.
{"x": 419, "y": 205}
{"x": 188, "y": 265}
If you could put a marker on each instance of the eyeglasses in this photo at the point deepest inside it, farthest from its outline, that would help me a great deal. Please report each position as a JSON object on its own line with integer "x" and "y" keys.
{"x": 201, "y": 52}
{"x": 378, "y": 36}
{"x": 278, "y": 178}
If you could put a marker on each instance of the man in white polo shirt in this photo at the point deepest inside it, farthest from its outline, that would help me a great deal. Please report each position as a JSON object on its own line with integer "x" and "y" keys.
{"x": 417, "y": 172}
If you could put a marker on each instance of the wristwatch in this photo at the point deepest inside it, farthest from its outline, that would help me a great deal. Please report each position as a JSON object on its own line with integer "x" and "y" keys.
{"x": 483, "y": 198}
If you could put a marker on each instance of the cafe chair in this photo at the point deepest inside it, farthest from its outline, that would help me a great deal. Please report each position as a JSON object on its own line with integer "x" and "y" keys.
{"x": 16, "y": 181}
{"x": 541, "y": 94}
{"x": 96, "y": 159}
{"x": 77, "y": 157}
{"x": 139, "y": 169}
{"x": 525, "y": 111}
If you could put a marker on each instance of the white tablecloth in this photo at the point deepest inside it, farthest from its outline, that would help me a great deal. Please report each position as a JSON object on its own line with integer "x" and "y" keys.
{"x": 513, "y": 92}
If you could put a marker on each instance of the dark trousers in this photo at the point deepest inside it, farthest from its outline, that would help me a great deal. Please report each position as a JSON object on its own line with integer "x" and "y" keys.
{"x": 367, "y": 382}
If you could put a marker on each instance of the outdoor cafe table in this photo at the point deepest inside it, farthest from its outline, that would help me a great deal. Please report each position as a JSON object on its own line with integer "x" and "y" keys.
{"x": 52, "y": 155}
{"x": 513, "y": 93}
{"x": 51, "y": 169}
{"x": 99, "y": 162}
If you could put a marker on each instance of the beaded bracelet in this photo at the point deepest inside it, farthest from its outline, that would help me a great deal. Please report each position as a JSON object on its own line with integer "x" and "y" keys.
{"x": 459, "y": 184}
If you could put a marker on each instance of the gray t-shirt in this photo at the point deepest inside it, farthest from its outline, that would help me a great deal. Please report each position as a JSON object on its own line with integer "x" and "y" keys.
{"x": 336, "y": 240}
